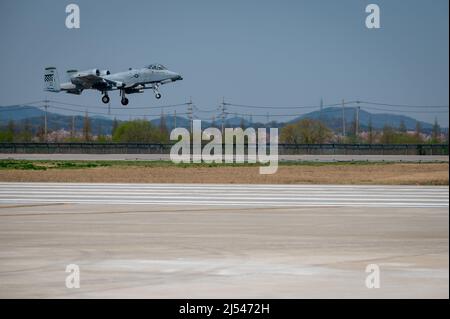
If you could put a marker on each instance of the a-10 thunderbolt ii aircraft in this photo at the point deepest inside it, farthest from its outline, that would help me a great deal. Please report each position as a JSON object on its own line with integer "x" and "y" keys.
{"x": 127, "y": 82}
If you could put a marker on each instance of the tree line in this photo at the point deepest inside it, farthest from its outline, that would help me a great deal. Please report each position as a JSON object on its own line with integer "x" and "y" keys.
{"x": 305, "y": 131}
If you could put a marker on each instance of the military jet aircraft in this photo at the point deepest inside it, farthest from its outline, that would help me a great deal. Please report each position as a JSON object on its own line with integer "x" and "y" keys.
{"x": 127, "y": 82}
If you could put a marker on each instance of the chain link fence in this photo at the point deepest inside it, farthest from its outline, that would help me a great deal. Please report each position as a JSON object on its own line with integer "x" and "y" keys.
{"x": 284, "y": 149}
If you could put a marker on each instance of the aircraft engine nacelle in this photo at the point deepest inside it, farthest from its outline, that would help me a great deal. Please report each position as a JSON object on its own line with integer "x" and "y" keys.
{"x": 104, "y": 72}
{"x": 87, "y": 72}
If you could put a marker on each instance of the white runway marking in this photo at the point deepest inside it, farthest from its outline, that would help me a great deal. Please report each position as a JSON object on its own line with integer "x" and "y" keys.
{"x": 227, "y": 195}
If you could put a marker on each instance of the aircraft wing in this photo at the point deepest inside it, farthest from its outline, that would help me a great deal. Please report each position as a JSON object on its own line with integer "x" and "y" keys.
{"x": 87, "y": 81}
{"x": 91, "y": 80}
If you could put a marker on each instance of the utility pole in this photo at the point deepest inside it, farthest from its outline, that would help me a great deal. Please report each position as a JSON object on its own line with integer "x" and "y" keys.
{"x": 45, "y": 120}
{"x": 162, "y": 121}
{"x": 223, "y": 115}
{"x": 343, "y": 118}
{"x": 72, "y": 131}
{"x": 190, "y": 113}
{"x": 321, "y": 110}
{"x": 357, "y": 121}
{"x": 174, "y": 118}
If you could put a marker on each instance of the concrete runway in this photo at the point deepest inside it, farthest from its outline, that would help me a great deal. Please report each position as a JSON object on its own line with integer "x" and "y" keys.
{"x": 282, "y": 158}
{"x": 227, "y": 241}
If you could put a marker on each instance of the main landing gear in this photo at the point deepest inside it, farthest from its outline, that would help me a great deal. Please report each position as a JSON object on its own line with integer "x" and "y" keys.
{"x": 105, "y": 99}
{"x": 124, "y": 100}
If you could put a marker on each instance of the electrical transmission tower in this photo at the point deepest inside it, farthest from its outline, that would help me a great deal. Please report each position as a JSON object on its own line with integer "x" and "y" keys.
{"x": 343, "y": 118}
{"x": 45, "y": 121}
{"x": 190, "y": 115}
{"x": 223, "y": 114}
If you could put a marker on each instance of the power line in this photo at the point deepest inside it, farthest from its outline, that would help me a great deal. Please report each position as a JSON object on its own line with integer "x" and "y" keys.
{"x": 121, "y": 108}
{"x": 403, "y": 105}
{"x": 223, "y": 110}
{"x": 101, "y": 113}
{"x": 404, "y": 111}
{"x": 284, "y": 107}
{"x": 327, "y": 110}
{"x": 203, "y": 110}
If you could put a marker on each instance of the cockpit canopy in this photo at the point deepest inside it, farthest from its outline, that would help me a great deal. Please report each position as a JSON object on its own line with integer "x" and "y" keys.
{"x": 156, "y": 67}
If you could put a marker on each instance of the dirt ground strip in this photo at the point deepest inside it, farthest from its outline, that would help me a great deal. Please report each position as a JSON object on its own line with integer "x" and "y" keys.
{"x": 412, "y": 174}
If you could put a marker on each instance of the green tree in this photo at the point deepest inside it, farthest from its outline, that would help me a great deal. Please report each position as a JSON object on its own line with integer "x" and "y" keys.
{"x": 391, "y": 136}
{"x": 418, "y": 132}
{"x": 139, "y": 131}
{"x": 402, "y": 127}
{"x": 242, "y": 124}
{"x": 436, "y": 134}
{"x": 25, "y": 134}
{"x": 163, "y": 124}
{"x": 388, "y": 135}
{"x": 40, "y": 133}
{"x": 72, "y": 128}
{"x": 305, "y": 131}
{"x": 8, "y": 134}
{"x": 115, "y": 124}
{"x": 370, "y": 132}
{"x": 86, "y": 128}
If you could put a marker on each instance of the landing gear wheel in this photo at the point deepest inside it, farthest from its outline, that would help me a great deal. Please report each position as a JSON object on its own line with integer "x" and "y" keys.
{"x": 105, "y": 99}
{"x": 124, "y": 101}
{"x": 158, "y": 95}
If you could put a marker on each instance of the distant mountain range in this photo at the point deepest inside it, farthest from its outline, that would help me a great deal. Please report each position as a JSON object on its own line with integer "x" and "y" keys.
{"x": 35, "y": 118}
{"x": 331, "y": 116}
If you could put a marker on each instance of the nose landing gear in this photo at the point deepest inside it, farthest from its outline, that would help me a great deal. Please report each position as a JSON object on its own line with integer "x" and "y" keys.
{"x": 156, "y": 91}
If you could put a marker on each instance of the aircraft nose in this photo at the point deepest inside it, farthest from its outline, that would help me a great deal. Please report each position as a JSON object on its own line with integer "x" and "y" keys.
{"x": 177, "y": 77}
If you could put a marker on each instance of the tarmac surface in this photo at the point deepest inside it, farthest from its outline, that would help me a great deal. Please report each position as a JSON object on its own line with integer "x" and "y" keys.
{"x": 287, "y": 158}
{"x": 223, "y": 241}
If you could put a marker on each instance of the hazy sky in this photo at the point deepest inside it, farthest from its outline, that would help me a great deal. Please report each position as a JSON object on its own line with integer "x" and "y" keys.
{"x": 275, "y": 53}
